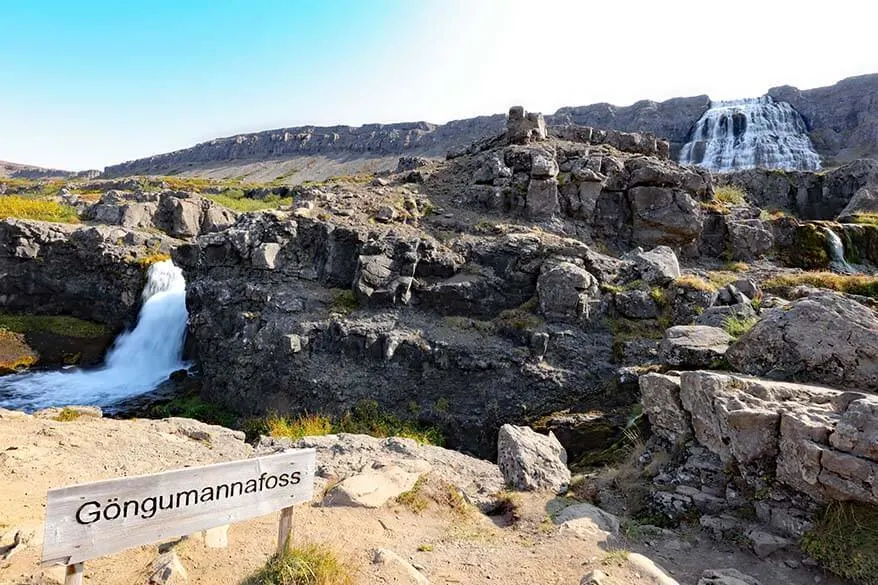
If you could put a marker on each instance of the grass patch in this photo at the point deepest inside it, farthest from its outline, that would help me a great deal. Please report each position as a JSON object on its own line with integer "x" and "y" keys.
{"x": 432, "y": 491}
{"x": 36, "y": 209}
{"x": 865, "y": 218}
{"x": 856, "y": 284}
{"x": 845, "y": 541}
{"x": 415, "y": 499}
{"x": 695, "y": 283}
{"x": 55, "y": 324}
{"x": 425, "y": 548}
{"x": 736, "y": 327}
{"x": 67, "y": 414}
{"x": 616, "y": 558}
{"x": 343, "y": 301}
{"x": 730, "y": 195}
{"x": 310, "y": 425}
{"x": 244, "y": 204}
{"x": 147, "y": 261}
{"x": 191, "y": 405}
{"x": 736, "y": 267}
{"x": 304, "y": 564}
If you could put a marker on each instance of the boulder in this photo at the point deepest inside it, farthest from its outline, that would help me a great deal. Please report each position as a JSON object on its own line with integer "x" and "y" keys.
{"x": 373, "y": 488}
{"x": 864, "y": 201}
{"x": 764, "y": 544}
{"x": 717, "y": 316}
{"x": 523, "y": 127}
{"x": 636, "y": 304}
{"x": 594, "y": 577}
{"x": 530, "y": 461}
{"x": 657, "y": 266}
{"x": 660, "y": 396}
{"x": 645, "y": 566}
{"x": 585, "y": 518}
{"x": 749, "y": 238}
{"x": 565, "y": 289}
{"x": 823, "y": 338}
{"x": 542, "y": 198}
{"x": 664, "y": 215}
{"x": 396, "y": 569}
{"x": 693, "y": 346}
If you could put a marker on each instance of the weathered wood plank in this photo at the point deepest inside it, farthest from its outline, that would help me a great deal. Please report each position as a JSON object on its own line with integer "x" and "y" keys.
{"x": 91, "y": 520}
{"x": 284, "y": 527}
{"x": 73, "y": 574}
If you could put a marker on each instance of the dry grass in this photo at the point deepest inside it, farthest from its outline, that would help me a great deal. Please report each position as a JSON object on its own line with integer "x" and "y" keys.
{"x": 857, "y": 284}
{"x": 737, "y": 267}
{"x": 36, "y": 209}
{"x": 147, "y": 261}
{"x": 305, "y": 564}
{"x": 730, "y": 195}
{"x": 695, "y": 283}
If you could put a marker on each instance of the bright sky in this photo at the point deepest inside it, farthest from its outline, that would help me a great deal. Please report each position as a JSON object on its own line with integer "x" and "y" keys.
{"x": 96, "y": 82}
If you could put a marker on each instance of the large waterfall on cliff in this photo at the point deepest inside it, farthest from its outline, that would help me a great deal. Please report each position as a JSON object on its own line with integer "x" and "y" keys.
{"x": 139, "y": 360}
{"x": 750, "y": 133}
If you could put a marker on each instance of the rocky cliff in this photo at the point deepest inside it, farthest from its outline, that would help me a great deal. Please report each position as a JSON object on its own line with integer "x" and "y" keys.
{"x": 842, "y": 121}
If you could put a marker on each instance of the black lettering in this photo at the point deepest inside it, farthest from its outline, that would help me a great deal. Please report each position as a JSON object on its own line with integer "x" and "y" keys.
{"x": 148, "y": 508}
{"x": 240, "y": 487}
{"x": 129, "y": 503}
{"x": 295, "y": 477}
{"x": 268, "y": 482}
{"x": 170, "y": 505}
{"x": 251, "y": 487}
{"x": 117, "y": 510}
{"x": 190, "y": 495}
{"x": 207, "y": 494}
{"x": 92, "y": 517}
{"x": 284, "y": 480}
{"x": 261, "y": 481}
{"x": 220, "y": 489}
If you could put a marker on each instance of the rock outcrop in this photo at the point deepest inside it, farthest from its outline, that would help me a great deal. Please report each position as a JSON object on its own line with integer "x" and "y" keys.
{"x": 823, "y": 338}
{"x": 530, "y": 461}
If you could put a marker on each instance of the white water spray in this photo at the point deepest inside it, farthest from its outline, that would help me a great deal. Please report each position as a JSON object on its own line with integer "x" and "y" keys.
{"x": 836, "y": 253}
{"x": 750, "y": 133}
{"x": 139, "y": 360}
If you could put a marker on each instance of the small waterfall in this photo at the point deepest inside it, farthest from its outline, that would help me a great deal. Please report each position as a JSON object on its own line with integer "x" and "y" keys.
{"x": 836, "y": 253}
{"x": 750, "y": 133}
{"x": 139, "y": 360}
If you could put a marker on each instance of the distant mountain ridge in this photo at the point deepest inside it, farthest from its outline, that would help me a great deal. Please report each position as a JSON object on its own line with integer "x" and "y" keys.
{"x": 842, "y": 120}
{"x": 22, "y": 171}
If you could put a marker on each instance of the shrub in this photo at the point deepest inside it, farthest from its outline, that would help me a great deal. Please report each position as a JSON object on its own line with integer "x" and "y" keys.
{"x": 730, "y": 195}
{"x": 507, "y": 505}
{"x": 736, "y": 327}
{"x": 67, "y": 414}
{"x": 304, "y": 426}
{"x": 36, "y": 209}
{"x": 858, "y": 284}
{"x": 55, "y": 324}
{"x": 304, "y": 564}
{"x": 366, "y": 418}
{"x": 845, "y": 541}
{"x": 615, "y": 558}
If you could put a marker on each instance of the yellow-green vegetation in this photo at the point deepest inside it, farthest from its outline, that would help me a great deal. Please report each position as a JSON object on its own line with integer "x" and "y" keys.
{"x": 520, "y": 318}
{"x": 737, "y": 266}
{"x": 426, "y": 547}
{"x": 730, "y": 195}
{"x": 67, "y": 414}
{"x": 36, "y": 209}
{"x": 236, "y": 201}
{"x": 308, "y": 563}
{"x": 865, "y": 218}
{"x": 343, "y": 301}
{"x": 857, "y": 284}
{"x": 695, "y": 283}
{"x": 845, "y": 541}
{"x": 736, "y": 327}
{"x": 808, "y": 249}
{"x": 365, "y": 418}
{"x": 430, "y": 490}
{"x": 311, "y": 425}
{"x": 721, "y": 278}
{"x": 147, "y": 261}
{"x": 615, "y": 558}
{"x": 55, "y": 324}
{"x": 189, "y": 404}
{"x": 715, "y": 206}
{"x": 15, "y": 354}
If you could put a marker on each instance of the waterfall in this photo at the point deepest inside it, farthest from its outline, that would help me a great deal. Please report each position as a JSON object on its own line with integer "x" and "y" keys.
{"x": 836, "y": 253}
{"x": 750, "y": 133}
{"x": 139, "y": 360}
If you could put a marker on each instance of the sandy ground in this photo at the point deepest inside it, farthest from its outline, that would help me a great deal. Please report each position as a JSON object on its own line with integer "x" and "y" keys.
{"x": 39, "y": 454}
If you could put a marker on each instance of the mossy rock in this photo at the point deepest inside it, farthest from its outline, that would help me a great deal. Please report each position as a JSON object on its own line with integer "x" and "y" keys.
{"x": 809, "y": 248}
{"x": 59, "y": 340}
{"x": 860, "y": 243}
{"x": 15, "y": 353}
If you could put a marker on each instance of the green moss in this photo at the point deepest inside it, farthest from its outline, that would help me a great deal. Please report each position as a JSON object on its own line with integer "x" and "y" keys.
{"x": 845, "y": 541}
{"x": 55, "y": 324}
{"x": 865, "y": 218}
{"x": 737, "y": 327}
{"x": 343, "y": 301}
{"x": 67, "y": 415}
{"x": 191, "y": 405}
{"x": 808, "y": 249}
{"x": 857, "y": 284}
{"x": 367, "y": 418}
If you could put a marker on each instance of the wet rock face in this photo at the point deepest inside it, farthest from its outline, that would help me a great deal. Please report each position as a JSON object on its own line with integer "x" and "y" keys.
{"x": 318, "y": 317}
{"x": 87, "y": 272}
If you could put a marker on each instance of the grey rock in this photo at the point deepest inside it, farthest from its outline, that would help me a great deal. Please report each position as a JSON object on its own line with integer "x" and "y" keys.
{"x": 572, "y": 517}
{"x": 660, "y": 396}
{"x": 749, "y": 238}
{"x": 410, "y": 163}
{"x": 530, "y": 461}
{"x": 718, "y": 316}
{"x": 374, "y": 487}
{"x": 385, "y": 214}
{"x": 542, "y": 198}
{"x": 167, "y": 570}
{"x": 565, "y": 289}
{"x": 523, "y": 127}
{"x": 594, "y": 577}
{"x": 823, "y": 338}
{"x": 664, "y": 216}
{"x": 636, "y": 304}
{"x": 657, "y": 266}
{"x": 765, "y": 544}
{"x": 693, "y": 346}
{"x": 726, "y": 577}
{"x": 410, "y": 574}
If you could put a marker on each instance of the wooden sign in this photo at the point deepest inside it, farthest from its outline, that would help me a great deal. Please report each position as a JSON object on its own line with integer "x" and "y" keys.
{"x": 95, "y": 519}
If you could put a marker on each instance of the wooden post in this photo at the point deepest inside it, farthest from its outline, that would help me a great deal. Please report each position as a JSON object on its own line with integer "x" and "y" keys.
{"x": 284, "y": 527}
{"x": 73, "y": 574}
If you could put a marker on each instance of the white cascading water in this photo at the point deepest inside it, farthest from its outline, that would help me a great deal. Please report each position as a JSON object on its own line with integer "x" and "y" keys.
{"x": 748, "y": 134}
{"x": 139, "y": 360}
{"x": 836, "y": 253}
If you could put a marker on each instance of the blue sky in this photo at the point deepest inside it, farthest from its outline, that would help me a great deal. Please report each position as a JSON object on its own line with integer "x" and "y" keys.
{"x": 92, "y": 83}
